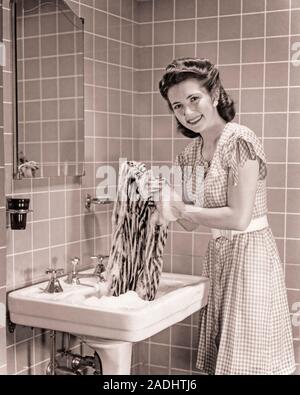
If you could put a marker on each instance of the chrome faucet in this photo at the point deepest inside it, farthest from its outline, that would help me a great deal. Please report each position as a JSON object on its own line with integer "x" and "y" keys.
{"x": 54, "y": 285}
{"x": 99, "y": 272}
{"x": 73, "y": 277}
{"x": 100, "y": 268}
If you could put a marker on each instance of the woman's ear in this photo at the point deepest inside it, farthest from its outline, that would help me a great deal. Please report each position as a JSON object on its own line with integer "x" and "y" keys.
{"x": 215, "y": 97}
{"x": 216, "y": 94}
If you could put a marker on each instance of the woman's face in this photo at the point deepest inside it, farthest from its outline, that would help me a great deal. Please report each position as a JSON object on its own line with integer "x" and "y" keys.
{"x": 193, "y": 105}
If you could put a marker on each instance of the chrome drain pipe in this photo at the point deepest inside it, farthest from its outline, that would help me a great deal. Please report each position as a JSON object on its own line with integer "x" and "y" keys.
{"x": 50, "y": 370}
{"x": 80, "y": 364}
{"x": 74, "y": 364}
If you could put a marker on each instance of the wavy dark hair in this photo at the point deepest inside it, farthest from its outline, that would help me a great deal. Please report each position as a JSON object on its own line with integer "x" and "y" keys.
{"x": 201, "y": 69}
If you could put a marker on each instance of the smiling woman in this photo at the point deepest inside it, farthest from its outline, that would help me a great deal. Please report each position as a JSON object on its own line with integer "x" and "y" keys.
{"x": 245, "y": 327}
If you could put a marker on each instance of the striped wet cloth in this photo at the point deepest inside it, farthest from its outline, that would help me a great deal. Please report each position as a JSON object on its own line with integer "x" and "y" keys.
{"x": 135, "y": 259}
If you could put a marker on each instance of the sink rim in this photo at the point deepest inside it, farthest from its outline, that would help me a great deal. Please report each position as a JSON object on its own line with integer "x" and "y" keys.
{"x": 129, "y": 325}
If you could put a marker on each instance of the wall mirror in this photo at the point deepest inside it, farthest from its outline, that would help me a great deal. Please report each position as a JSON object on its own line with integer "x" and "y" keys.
{"x": 48, "y": 61}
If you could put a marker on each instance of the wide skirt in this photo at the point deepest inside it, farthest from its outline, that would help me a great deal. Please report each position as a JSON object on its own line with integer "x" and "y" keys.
{"x": 245, "y": 327}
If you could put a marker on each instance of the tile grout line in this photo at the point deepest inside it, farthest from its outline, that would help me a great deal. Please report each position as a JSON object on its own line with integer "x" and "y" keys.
{"x": 287, "y": 145}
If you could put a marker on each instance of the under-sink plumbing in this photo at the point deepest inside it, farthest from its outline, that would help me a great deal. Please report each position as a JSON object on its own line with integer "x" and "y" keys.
{"x": 69, "y": 363}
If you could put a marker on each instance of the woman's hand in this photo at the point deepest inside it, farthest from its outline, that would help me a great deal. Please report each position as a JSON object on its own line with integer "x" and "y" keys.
{"x": 168, "y": 203}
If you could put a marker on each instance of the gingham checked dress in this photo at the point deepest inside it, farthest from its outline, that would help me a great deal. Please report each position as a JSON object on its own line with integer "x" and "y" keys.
{"x": 245, "y": 327}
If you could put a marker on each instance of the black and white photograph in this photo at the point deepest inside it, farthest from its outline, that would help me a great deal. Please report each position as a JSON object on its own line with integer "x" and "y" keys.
{"x": 149, "y": 190}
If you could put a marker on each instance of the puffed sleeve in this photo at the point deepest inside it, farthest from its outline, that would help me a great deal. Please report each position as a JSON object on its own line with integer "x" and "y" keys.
{"x": 241, "y": 147}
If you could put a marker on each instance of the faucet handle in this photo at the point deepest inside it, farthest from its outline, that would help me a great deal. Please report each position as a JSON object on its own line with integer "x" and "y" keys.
{"x": 100, "y": 258}
{"x": 54, "y": 284}
{"x": 75, "y": 262}
{"x": 100, "y": 267}
{"x": 54, "y": 272}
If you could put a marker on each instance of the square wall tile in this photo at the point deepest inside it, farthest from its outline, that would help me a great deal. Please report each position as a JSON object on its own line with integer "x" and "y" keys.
{"x": 184, "y": 31}
{"x": 207, "y": 8}
{"x": 276, "y": 74}
{"x": 276, "y": 100}
{"x": 293, "y": 151}
{"x": 41, "y": 262}
{"x": 276, "y": 200}
{"x": 228, "y": 7}
{"x": 180, "y": 358}
{"x": 182, "y": 264}
{"x": 275, "y": 150}
{"x": 40, "y": 234}
{"x": 293, "y": 196}
{"x": 184, "y": 50}
{"x": 230, "y": 27}
{"x": 181, "y": 335}
{"x": 293, "y": 249}
{"x": 277, "y": 224}
{"x": 249, "y": 21}
{"x": 253, "y": 6}
{"x": 126, "y": 9}
{"x": 229, "y": 52}
{"x": 57, "y": 231}
{"x": 142, "y": 11}
{"x": 162, "y": 56}
{"x": 277, "y": 49}
{"x": 252, "y": 100}
{"x": 163, "y": 33}
{"x": 23, "y": 269}
{"x": 294, "y": 65}
{"x": 253, "y": 121}
{"x": 163, "y": 10}
{"x": 277, "y": 23}
{"x": 230, "y": 76}
{"x": 277, "y": 4}
{"x": 207, "y": 50}
{"x": 114, "y": 7}
{"x": 293, "y": 176}
{"x": 182, "y": 244}
{"x": 295, "y": 22}
{"x": 294, "y": 99}
{"x": 185, "y": 9}
{"x": 114, "y": 27}
{"x": 292, "y": 276}
{"x": 162, "y": 150}
{"x": 252, "y": 75}
{"x": 207, "y": 29}
{"x": 276, "y": 175}
{"x": 293, "y": 226}
{"x": 159, "y": 354}
{"x": 162, "y": 337}
{"x": 253, "y": 50}
{"x": 294, "y": 122}
{"x": 275, "y": 125}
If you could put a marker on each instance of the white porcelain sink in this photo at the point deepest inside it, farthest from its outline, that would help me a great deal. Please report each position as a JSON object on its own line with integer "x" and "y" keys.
{"x": 109, "y": 324}
{"x": 81, "y": 309}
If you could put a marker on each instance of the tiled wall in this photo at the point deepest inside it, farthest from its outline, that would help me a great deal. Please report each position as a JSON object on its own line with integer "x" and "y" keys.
{"x": 50, "y": 67}
{"x": 2, "y": 230}
{"x": 253, "y": 43}
{"x": 126, "y": 49}
{"x": 60, "y": 227}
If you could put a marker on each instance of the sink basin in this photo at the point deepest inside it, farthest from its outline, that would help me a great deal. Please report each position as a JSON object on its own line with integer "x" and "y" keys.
{"x": 109, "y": 325}
{"x": 83, "y": 309}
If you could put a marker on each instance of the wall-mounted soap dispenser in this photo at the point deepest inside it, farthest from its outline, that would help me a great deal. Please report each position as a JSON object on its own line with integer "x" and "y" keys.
{"x": 17, "y": 208}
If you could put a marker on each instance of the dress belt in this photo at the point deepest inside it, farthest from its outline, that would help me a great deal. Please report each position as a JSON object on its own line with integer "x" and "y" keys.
{"x": 255, "y": 224}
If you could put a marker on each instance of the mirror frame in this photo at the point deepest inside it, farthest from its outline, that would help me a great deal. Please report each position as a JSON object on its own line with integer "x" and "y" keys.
{"x": 14, "y": 80}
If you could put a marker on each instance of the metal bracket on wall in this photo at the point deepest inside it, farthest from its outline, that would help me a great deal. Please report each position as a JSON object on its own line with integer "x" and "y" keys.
{"x": 11, "y": 325}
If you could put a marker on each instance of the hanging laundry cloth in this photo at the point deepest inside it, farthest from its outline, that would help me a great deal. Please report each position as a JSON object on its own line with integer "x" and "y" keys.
{"x": 135, "y": 260}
